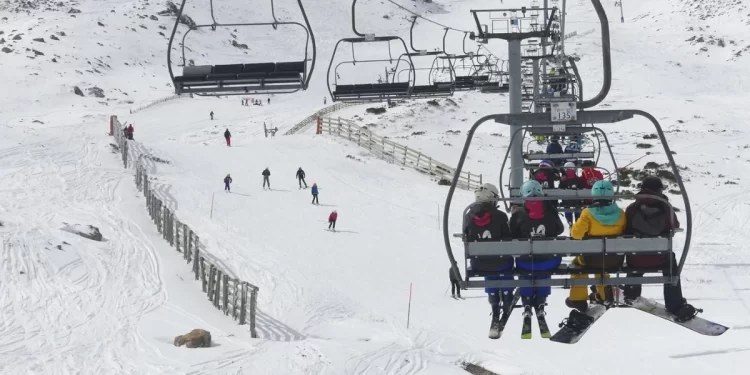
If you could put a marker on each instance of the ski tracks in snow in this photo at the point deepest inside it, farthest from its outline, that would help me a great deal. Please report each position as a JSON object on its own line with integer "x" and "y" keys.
{"x": 69, "y": 303}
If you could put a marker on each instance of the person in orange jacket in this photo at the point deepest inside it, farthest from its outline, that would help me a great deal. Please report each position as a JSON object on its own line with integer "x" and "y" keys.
{"x": 332, "y": 220}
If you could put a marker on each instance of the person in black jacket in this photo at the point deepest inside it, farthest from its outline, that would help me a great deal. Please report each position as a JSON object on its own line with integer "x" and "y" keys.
{"x": 485, "y": 222}
{"x": 301, "y": 177}
{"x": 266, "y": 174}
{"x": 455, "y": 288}
{"x": 227, "y": 137}
{"x": 535, "y": 219}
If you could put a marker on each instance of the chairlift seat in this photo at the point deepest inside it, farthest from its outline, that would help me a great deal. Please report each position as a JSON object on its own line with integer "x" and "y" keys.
{"x": 371, "y": 91}
{"x": 436, "y": 89}
{"x": 574, "y": 155}
{"x": 238, "y": 77}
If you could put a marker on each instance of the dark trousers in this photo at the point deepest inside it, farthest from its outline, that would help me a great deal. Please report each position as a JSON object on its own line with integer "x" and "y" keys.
{"x": 672, "y": 292}
{"x": 455, "y": 288}
{"x": 226, "y": 186}
{"x": 301, "y": 181}
{"x": 266, "y": 181}
{"x": 315, "y": 199}
{"x": 331, "y": 224}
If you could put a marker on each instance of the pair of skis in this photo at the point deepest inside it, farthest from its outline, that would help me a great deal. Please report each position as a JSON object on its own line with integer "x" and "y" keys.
{"x": 497, "y": 328}
{"x": 697, "y": 324}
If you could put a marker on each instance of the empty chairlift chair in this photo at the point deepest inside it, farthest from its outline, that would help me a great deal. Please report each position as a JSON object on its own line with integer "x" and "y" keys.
{"x": 240, "y": 79}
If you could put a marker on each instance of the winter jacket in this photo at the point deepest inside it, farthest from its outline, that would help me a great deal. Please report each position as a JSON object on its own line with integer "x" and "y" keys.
{"x": 554, "y": 147}
{"x": 486, "y": 223}
{"x": 652, "y": 206}
{"x": 604, "y": 222}
{"x": 314, "y": 190}
{"x": 572, "y": 182}
{"x": 546, "y": 177}
{"x": 227, "y": 180}
{"x": 333, "y": 216}
{"x": 266, "y": 172}
{"x": 227, "y": 134}
{"x": 536, "y": 219}
{"x": 300, "y": 174}
{"x": 130, "y": 129}
{"x": 589, "y": 176}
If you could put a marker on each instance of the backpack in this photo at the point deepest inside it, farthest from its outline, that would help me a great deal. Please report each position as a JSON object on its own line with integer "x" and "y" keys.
{"x": 649, "y": 221}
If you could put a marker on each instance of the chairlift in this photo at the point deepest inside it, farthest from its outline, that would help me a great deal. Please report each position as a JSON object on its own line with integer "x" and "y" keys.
{"x": 432, "y": 88}
{"x": 241, "y": 79}
{"x": 370, "y": 92}
{"x": 539, "y": 123}
{"x": 498, "y": 80}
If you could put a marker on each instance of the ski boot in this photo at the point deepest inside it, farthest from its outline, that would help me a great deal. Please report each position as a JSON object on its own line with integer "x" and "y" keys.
{"x": 577, "y": 321}
{"x": 495, "y": 323}
{"x": 609, "y": 298}
{"x": 581, "y": 306}
{"x": 684, "y": 312}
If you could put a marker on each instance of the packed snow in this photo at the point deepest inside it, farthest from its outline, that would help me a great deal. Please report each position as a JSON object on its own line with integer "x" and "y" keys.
{"x": 332, "y": 303}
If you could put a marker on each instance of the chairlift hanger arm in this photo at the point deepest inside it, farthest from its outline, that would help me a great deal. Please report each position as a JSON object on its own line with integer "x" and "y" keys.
{"x": 606, "y": 59}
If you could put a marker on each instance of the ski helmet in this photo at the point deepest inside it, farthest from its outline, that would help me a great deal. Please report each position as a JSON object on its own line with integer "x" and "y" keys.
{"x": 603, "y": 189}
{"x": 531, "y": 188}
{"x": 546, "y": 163}
{"x": 486, "y": 193}
{"x": 652, "y": 183}
{"x": 570, "y": 164}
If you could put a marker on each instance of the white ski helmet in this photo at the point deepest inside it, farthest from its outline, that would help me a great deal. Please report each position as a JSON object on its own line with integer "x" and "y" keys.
{"x": 486, "y": 193}
{"x": 570, "y": 165}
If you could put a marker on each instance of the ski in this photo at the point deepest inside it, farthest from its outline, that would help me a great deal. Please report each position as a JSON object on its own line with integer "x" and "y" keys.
{"x": 568, "y": 335}
{"x": 541, "y": 320}
{"x": 497, "y": 330}
{"x": 699, "y": 325}
{"x": 526, "y": 328}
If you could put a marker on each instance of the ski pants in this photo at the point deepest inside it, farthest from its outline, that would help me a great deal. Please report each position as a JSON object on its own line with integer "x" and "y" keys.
{"x": 672, "y": 292}
{"x": 502, "y": 265}
{"x": 315, "y": 199}
{"x": 455, "y": 288}
{"x": 301, "y": 181}
{"x": 229, "y": 141}
{"x": 226, "y": 187}
{"x": 331, "y": 224}
{"x": 539, "y": 265}
{"x": 580, "y": 292}
{"x": 266, "y": 181}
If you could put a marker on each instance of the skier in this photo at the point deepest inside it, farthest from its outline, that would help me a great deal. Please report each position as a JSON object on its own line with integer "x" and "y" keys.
{"x": 589, "y": 174}
{"x": 554, "y": 147}
{"x": 266, "y": 174}
{"x": 602, "y": 219}
{"x": 546, "y": 175}
{"x": 572, "y": 148}
{"x": 535, "y": 219}
{"x": 570, "y": 180}
{"x": 314, "y": 192}
{"x": 301, "y": 177}
{"x": 269, "y": 100}
{"x": 649, "y": 217}
{"x": 332, "y": 220}
{"x": 227, "y": 181}
{"x": 212, "y": 115}
{"x": 484, "y": 222}
{"x": 325, "y": 98}
{"x": 455, "y": 287}
{"x": 130, "y": 132}
{"x": 227, "y": 137}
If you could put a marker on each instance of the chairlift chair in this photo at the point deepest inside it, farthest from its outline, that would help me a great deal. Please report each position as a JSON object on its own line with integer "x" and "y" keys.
{"x": 241, "y": 79}
{"x": 432, "y": 88}
{"x": 563, "y": 246}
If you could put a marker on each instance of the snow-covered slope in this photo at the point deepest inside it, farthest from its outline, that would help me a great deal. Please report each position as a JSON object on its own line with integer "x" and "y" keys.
{"x": 330, "y": 302}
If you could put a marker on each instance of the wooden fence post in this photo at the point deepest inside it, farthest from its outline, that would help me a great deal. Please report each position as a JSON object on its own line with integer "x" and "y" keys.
{"x": 243, "y": 303}
{"x": 406, "y": 150}
{"x": 225, "y": 299}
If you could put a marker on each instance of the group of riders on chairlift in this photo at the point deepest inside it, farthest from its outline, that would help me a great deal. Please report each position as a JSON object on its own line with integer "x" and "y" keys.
{"x": 601, "y": 217}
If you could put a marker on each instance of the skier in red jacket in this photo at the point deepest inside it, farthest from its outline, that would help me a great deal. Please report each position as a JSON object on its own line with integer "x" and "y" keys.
{"x": 332, "y": 220}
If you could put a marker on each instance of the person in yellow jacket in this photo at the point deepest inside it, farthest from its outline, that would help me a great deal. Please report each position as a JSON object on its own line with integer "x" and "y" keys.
{"x": 602, "y": 219}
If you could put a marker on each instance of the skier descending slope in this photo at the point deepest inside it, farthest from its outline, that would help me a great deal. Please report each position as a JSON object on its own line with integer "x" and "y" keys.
{"x": 227, "y": 181}
{"x": 301, "y": 177}
{"x": 332, "y": 220}
{"x": 484, "y": 222}
{"x": 266, "y": 174}
{"x": 535, "y": 219}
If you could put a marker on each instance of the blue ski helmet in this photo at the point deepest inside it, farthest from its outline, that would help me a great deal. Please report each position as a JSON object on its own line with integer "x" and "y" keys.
{"x": 531, "y": 188}
{"x": 603, "y": 189}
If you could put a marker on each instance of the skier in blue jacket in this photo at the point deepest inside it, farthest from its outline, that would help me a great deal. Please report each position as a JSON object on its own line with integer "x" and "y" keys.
{"x": 314, "y": 192}
{"x": 227, "y": 181}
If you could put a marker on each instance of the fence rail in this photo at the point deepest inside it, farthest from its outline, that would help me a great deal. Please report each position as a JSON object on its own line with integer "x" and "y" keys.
{"x": 309, "y": 120}
{"x": 396, "y": 153}
{"x": 234, "y": 297}
{"x": 153, "y": 103}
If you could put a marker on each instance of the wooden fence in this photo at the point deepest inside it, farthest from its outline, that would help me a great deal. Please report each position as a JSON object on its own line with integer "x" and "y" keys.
{"x": 395, "y": 153}
{"x": 309, "y": 120}
{"x": 234, "y": 297}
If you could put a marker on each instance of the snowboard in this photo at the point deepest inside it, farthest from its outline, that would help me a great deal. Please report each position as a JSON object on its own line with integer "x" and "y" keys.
{"x": 566, "y": 335}
{"x": 697, "y": 324}
{"x": 496, "y": 332}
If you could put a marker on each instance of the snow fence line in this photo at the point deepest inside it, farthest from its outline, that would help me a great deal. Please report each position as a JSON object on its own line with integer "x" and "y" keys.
{"x": 228, "y": 294}
{"x": 153, "y": 103}
{"x": 309, "y": 120}
{"x": 393, "y": 152}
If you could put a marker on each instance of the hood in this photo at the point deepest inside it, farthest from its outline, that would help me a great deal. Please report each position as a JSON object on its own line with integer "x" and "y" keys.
{"x": 535, "y": 209}
{"x": 606, "y": 215}
{"x": 640, "y": 197}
